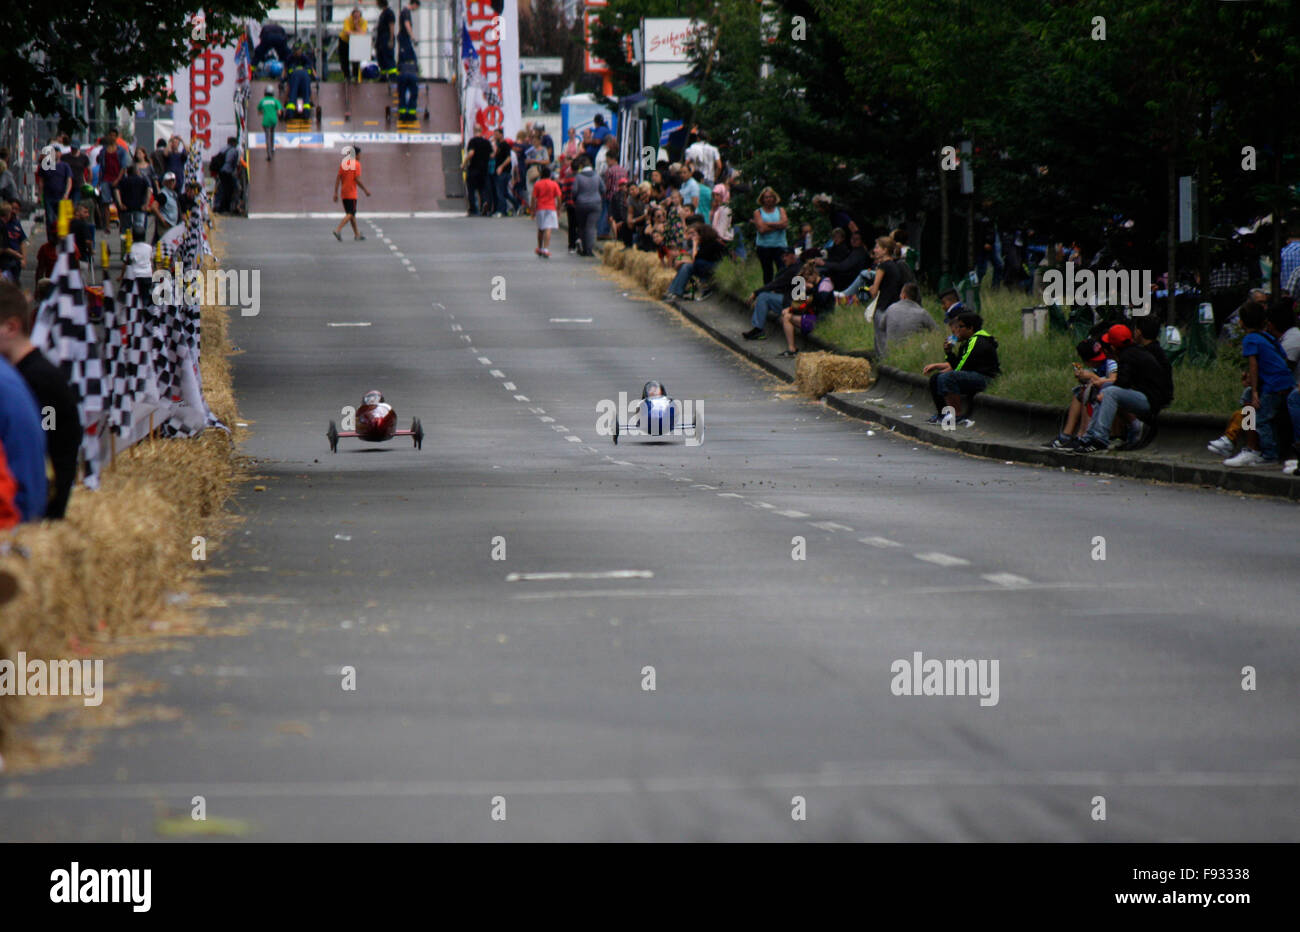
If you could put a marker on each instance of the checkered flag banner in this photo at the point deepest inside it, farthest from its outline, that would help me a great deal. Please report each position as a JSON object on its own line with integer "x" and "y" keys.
{"x": 194, "y": 173}
{"x": 64, "y": 334}
{"x": 133, "y": 385}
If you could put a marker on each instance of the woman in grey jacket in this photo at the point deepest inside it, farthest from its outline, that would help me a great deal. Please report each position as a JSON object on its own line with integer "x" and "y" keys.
{"x": 588, "y": 194}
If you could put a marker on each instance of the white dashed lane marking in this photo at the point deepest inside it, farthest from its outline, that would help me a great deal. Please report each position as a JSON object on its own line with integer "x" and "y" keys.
{"x": 1007, "y": 580}
{"x": 941, "y": 559}
{"x": 599, "y": 574}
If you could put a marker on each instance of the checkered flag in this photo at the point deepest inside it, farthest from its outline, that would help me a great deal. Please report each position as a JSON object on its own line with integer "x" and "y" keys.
{"x": 128, "y": 338}
{"x": 64, "y": 334}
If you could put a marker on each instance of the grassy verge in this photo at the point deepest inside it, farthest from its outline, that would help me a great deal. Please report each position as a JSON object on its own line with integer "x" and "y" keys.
{"x": 111, "y": 574}
{"x": 1037, "y": 369}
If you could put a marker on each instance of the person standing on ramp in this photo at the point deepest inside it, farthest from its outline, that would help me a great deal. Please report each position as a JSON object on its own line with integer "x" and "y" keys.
{"x": 270, "y": 106}
{"x": 385, "y": 40}
{"x": 348, "y": 180}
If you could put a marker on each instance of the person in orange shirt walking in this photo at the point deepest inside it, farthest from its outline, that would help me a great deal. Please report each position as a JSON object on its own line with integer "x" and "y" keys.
{"x": 348, "y": 180}
{"x": 545, "y": 199}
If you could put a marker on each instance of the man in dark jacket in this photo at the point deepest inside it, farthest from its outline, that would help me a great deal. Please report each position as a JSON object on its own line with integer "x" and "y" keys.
{"x": 1141, "y": 388}
{"x": 966, "y": 371}
{"x": 770, "y": 298}
{"x": 843, "y": 271}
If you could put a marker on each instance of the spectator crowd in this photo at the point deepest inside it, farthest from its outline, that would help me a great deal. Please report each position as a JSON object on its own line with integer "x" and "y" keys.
{"x": 681, "y": 213}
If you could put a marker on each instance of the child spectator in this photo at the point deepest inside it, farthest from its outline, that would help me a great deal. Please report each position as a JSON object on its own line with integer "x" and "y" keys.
{"x": 803, "y": 314}
{"x": 1099, "y": 372}
{"x": 48, "y": 254}
{"x": 721, "y": 217}
{"x": 1141, "y": 388}
{"x": 966, "y": 371}
{"x": 545, "y": 195}
{"x": 1269, "y": 380}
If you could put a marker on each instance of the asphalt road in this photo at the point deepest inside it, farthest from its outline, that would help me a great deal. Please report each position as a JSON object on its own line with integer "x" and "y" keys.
{"x": 1118, "y": 678}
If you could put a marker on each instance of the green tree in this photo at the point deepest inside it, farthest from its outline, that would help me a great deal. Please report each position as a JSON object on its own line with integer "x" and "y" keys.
{"x": 126, "y": 48}
{"x": 542, "y": 32}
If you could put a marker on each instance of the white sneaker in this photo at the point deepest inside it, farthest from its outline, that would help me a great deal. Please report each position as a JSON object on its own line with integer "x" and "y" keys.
{"x": 1291, "y": 467}
{"x": 1223, "y": 446}
{"x": 1245, "y": 458}
{"x": 966, "y": 422}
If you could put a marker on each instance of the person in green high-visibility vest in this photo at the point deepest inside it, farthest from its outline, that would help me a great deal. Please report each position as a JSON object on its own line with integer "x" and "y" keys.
{"x": 270, "y": 107}
{"x": 967, "y": 371}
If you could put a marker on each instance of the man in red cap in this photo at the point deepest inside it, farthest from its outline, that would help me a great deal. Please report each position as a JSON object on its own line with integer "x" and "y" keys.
{"x": 1140, "y": 389}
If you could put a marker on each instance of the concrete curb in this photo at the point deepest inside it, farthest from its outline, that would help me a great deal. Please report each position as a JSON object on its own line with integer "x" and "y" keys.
{"x": 1030, "y": 415}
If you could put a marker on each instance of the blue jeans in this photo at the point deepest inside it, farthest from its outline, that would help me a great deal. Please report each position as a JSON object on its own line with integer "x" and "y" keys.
{"x": 300, "y": 87}
{"x": 51, "y": 210}
{"x": 602, "y": 225}
{"x": 983, "y": 262}
{"x": 1270, "y": 405}
{"x": 957, "y": 382}
{"x": 769, "y": 304}
{"x": 408, "y": 92}
{"x": 505, "y": 202}
{"x": 1114, "y": 400}
{"x": 864, "y": 279}
{"x": 702, "y": 268}
{"x": 1293, "y": 407}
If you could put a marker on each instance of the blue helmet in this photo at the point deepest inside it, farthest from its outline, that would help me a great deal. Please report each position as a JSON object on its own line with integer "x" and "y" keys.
{"x": 275, "y": 68}
{"x": 370, "y": 71}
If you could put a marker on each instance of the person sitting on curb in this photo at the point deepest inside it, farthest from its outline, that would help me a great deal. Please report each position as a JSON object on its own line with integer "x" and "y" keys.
{"x": 1270, "y": 380}
{"x": 706, "y": 252}
{"x": 967, "y": 370}
{"x": 819, "y": 298}
{"x": 767, "y": 300}
{"x": 1140, "y": 389}
{"x": 1099, "y": 372}
{"x": 901, "y": 319}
